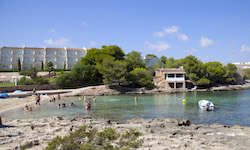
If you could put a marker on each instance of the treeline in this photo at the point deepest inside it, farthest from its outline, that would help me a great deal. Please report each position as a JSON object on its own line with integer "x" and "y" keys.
{"x": 202, "y": 74}
{"x": 108, "y": 65}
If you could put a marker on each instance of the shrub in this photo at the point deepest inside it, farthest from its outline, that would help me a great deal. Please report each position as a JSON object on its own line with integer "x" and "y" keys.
{"x": 84, "y": 138}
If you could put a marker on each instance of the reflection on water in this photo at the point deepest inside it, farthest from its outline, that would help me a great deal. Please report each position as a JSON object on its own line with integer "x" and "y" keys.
{"x": 231, "y": 107}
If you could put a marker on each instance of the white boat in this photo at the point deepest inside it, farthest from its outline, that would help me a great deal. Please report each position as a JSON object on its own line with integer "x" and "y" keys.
{"x": 206, "y": 105}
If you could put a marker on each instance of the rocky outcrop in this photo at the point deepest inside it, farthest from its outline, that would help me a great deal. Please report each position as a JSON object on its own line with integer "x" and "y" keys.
{"x": 158, "y": 134}
{"x": 231, "y": 87}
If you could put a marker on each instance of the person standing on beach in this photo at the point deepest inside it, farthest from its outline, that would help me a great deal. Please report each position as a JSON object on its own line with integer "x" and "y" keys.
{"x": 59, "y": 97}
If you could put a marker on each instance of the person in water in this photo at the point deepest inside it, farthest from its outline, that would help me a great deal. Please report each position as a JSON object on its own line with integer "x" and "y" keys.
{"x": 88, "y": 105}
{"x": 94, "y": 99}
{"x": 136, "y": 99}
{"x": 73, "y": 105}
{"x": 59, "y": 97}
{"x": 37, "y": 99}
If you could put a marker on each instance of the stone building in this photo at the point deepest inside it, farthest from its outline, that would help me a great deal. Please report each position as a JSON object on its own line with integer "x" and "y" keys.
{"x": 170, "y": 78}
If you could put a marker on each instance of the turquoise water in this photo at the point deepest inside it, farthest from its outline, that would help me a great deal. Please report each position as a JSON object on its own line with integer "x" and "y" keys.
{"x": 231, "y": 107}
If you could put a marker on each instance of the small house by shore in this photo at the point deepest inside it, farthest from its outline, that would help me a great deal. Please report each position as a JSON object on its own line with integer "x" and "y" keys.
{"x": 170, "y": 78}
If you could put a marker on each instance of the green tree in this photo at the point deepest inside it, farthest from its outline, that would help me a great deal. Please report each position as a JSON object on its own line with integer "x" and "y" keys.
{"x": 172, "y": 63}
{"x": 42, "y": 66}
{"x": 31, "y": 72}
{"x": 49, "y": 66}
{"x": 151, "y": 55}
{"x": 134, "y": 61}
{"x": 246, "y": 73}
{"x": 163, "y": 59}
{"x": 159, "y": 64}
{"x": 231, "y": 73}
{"x": 113, "y": 71}
{"x": 215, "y": 72}
{"x": 19, "y": 64}
{"x": 114, "y": 51}
{"x": 139, "y": 78}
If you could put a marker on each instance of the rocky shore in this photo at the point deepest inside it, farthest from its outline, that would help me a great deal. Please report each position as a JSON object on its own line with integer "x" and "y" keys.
{"x": 158, "y": 134}
{"x": 105, "y": 90}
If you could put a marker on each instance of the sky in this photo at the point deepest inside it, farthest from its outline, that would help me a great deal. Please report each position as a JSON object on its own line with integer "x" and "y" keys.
{"x": 211, "y": 30}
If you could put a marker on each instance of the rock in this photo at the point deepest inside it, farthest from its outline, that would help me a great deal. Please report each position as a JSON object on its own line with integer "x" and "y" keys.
{"x": 27, "y": 143}
{"x": 184, "y": 122}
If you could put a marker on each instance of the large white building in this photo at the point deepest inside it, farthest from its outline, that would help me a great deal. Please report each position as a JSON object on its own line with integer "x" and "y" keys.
{"x": 242, "y": 65}
{"x": 34, "y": 56}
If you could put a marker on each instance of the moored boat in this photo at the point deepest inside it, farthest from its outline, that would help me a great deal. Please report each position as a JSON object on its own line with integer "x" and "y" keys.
{"x": 206, "y": 105}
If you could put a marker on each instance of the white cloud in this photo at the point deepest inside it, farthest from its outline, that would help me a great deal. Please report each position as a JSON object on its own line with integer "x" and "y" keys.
{"x": 204, "y": 42}
{"x": 244, "y": 48}
{"x": 183, "y": 37}
{"x": 191, "y": 51}
{"x": 170, "y": 30}
{"x": 159, "y": 34}
{"x": 52, "y": 30}
{"x": 92, "y": 43}
{"x": 84, "y": 24}
{"x": 60, "y": 42}
{"x": 159, "y": 46}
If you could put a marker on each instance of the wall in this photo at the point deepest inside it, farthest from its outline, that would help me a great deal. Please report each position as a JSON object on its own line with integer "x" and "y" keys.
{"x": 28, "y": 87}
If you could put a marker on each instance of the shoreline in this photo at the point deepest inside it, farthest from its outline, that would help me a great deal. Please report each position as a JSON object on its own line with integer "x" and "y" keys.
{"x": 158, "y": 134}
{"x": 16, "y": 103}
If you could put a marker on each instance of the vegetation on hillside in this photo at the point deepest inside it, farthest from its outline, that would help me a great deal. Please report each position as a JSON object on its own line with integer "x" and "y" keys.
{"x": 246, "y": 73}
{"x": 34, "y": 79}
{"x": 85, "y": 138}
{"x": 108, "y": 65}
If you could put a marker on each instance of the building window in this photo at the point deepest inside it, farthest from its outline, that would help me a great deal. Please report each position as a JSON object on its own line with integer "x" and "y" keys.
{"x": 28, "y": 52}
{"x": 60, "y": 53}
{"x": 60, "y": 59}
{"x": 26, "y": 66}
{"x": 39, "y": 52}
{"x": 81, "y": 53}
{"x": 51, "y": 59}
{"x": 71, "y": 59}
{"x": 38, "y": 59}
{"x": 179, "y": 75}
{"x": 6, "y": 59}
{"x": 17, "y": 52}
{"x": 28, "y": 59}
{"x": 50, "y": 52}
{"x": 6, "y": 66}
{"x": 6, "y": 52}
{"x": 170, "y": 75}
{"x": 60, "y": 66}
{"x": 15, "y": 59}
{"x": 71, "y": 53}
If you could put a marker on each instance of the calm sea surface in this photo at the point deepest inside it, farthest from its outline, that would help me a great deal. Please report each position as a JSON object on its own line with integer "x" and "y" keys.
{"x": 231, "y": 107}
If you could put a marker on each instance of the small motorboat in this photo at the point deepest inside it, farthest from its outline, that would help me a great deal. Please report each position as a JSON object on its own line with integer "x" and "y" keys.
{"x": 206, "y": 105}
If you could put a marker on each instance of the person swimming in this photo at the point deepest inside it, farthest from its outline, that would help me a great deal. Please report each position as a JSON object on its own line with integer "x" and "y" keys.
{"x": 73, "y": 105}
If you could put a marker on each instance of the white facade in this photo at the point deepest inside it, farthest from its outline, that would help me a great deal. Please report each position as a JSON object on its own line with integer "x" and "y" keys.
{"x": 33, "y": 56}
{"x": 243, "y": 65}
